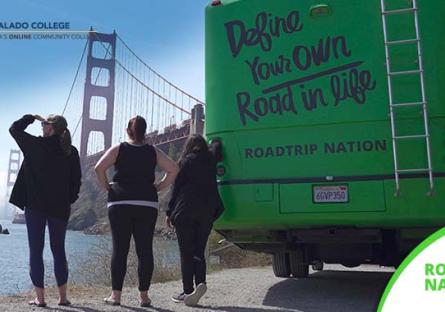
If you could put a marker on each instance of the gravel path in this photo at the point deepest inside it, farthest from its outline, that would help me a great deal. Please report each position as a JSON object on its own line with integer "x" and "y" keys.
{"x": 253, "y": 289}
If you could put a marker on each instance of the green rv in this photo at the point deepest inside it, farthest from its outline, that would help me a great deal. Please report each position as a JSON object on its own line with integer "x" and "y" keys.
{"x": 331, "y": 118}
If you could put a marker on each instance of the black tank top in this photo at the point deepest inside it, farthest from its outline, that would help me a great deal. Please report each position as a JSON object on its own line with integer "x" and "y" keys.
{"x": 134, "y": 175}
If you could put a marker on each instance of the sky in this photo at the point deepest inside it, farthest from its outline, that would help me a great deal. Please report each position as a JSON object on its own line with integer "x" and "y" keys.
{"x": 36, "y": 75}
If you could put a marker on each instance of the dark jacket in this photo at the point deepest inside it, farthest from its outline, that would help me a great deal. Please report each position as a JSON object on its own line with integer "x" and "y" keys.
{"x": 195, "y": 191}
{"x": 48, "y": 180}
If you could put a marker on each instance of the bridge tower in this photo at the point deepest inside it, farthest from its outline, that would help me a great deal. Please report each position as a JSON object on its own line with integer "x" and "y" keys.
{"x": 197, "y": 122}
{"x": 15, "y": 160}
{"x": 106, "y": 93}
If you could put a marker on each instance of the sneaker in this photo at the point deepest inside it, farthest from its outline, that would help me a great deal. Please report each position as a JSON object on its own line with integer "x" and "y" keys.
{"x": 179, "y": 298}
{"x": 193, "y": 298}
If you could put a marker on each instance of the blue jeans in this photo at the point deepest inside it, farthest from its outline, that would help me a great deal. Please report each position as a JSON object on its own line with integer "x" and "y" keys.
{"x": 36, "y": 222}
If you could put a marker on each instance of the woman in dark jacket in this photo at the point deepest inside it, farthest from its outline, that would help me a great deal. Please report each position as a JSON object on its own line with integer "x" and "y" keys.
{"x": 47, "y": 184}
{"x": 194, "y": 206}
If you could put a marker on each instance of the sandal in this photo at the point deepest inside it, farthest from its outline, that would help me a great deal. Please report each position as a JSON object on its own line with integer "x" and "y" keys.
{"x": 145, "y": 304}
{"x": 38, "y": 304}
{"x": 65, "y": 304}
{"x": 111, "y": 301}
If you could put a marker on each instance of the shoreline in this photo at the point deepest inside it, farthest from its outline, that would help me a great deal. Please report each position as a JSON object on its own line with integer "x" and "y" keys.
{"x": 100, "y": 229}
{"x": 104, "y": 229}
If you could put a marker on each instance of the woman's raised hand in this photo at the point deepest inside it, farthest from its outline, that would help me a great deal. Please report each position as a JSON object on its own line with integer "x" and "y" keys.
{"x": 39, "y": 118}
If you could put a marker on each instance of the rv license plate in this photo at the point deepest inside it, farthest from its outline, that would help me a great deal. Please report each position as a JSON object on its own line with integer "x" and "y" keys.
{"x": 330, "y": 194}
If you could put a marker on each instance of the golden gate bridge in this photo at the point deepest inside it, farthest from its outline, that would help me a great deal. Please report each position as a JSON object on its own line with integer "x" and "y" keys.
{"x": 118, "y": 85}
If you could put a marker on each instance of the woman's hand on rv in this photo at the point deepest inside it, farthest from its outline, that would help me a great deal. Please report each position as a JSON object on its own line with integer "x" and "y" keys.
{"x": 168, "y": 221}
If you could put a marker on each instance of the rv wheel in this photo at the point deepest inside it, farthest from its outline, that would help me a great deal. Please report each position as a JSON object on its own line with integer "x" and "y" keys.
{"x": 297, "y": 266}
{"x": 280, "y": 264}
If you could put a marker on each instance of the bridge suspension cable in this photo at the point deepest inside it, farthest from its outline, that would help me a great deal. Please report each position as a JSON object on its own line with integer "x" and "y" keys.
{"x": 75, "y": 78}
{"x": 138, "y": 90}
{"x": 156, "y": 73}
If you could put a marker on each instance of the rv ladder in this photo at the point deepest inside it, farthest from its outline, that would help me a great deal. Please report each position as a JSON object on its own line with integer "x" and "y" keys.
{"x": 393, "y": 106}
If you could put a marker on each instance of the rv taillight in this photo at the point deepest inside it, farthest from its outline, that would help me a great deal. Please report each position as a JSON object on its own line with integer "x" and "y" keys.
{"x": 216, "y": 147}
{"x": 220, "y": 171}
{"x": 216, "y": 2}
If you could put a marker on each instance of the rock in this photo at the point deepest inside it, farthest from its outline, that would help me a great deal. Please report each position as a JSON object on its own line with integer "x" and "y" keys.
{"x": 19, "y": 218}
{"x": 165, "y": 233}
{"x": 98, "y": 229}
{"x": 82, "y": 219}
{"x": 5, "y": 231}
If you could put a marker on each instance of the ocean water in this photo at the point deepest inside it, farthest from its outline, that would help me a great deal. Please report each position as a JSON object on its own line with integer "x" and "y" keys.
{"x": 14, "y": 256}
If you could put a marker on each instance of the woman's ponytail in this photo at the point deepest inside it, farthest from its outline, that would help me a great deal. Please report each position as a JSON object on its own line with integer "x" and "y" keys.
{"x": 65, "y": 142}
{"x": 137, "y": 127}
{"x": 60, "y": 127}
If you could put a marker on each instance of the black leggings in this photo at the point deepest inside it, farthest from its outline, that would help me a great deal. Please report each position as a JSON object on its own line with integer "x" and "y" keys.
{"x": 139, "y": 221}
{"x": 192, "y": 239}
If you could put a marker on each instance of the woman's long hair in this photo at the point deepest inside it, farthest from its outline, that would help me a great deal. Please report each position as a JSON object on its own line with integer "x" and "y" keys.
{"x": 65, "y": 142}
{"x": 137, "y": 126}
{"x": 195, "y": 144}
{"x": 60, "y": 127}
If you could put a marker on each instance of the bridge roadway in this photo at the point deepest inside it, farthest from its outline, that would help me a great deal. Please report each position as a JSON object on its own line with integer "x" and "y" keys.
{"x": 163, "y": 141}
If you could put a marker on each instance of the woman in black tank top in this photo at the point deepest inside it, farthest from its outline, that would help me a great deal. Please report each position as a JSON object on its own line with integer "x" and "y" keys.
{"x": 132, "y": 204}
